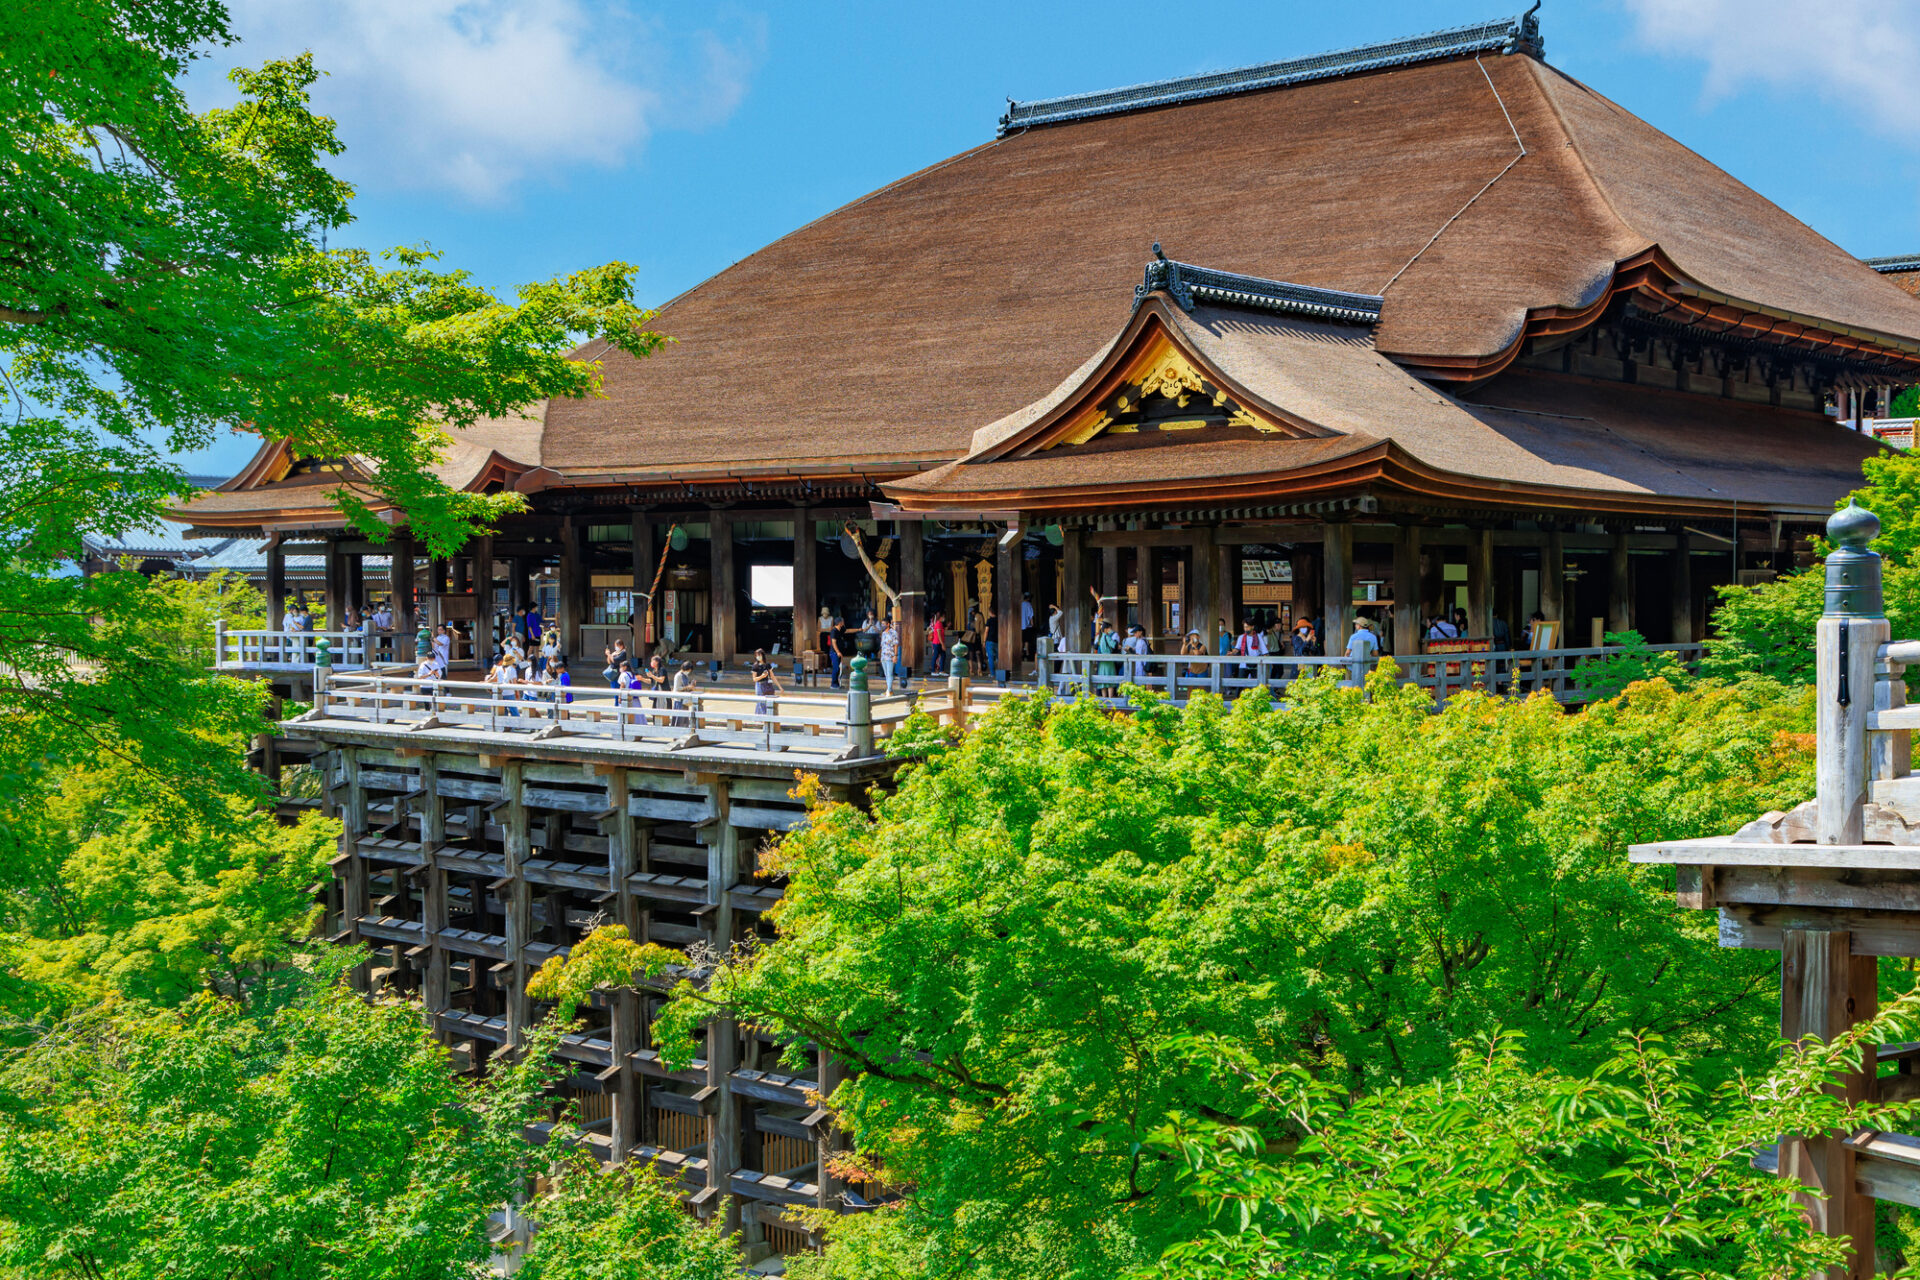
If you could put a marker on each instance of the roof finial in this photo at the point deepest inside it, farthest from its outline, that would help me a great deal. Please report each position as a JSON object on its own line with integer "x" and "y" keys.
{"x": 1157, "y": 253}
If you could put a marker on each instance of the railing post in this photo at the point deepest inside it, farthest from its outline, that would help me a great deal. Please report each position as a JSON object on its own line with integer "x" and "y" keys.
{"x": 322, "y": 673}
{"x": 219, "y": 641}
{"x": 1849, "y": 636}
{"x": 957, "y": 681}
{"x": 859, "y": 708}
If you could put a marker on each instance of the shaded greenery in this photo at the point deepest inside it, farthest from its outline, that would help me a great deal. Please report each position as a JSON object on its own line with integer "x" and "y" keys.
{"x": 1017, "y": 948}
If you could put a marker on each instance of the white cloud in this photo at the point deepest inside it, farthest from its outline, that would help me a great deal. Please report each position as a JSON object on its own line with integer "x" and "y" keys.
{"x": 1857, "y": 53}
{"x": 479, "y": 95}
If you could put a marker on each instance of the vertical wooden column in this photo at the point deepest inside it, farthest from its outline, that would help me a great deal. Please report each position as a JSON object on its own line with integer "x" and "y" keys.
{"x": 1680, "y": 587}
{"x": 646, "y": 562}
{"x": 354, "y": 893}
{"x": 1201, "y": 609}
{"x": 1306, "y": 581}
{"x": 723, "y": 1035}
{"x": 400, "y": 585}
{"x": 806, "y": 582}
{"x": 336, "y": 593}
{"x": 1619, "y": 585}
{"x": 354, "y": 566}
{"x": 1147, "y": 569}
{"x": 519, "y": 588}
{"x": 1009, "y": 564}
{"x": 483, "y": 601}
{"x": 1113, "y": 590}
{"x": 1406, "y": 590}
{"x": 517, "y": 898}
{"x": 828, "y": 1140}
{"x": 1076, "y": 601}
{"x": 572, "y": 587}
{"x": 1824, "y": 990}
{"x": 1336, "y": 575}
{"x": 627, "y": 1090}
{"x": 1480, "y": 582}
{"x": 432, "y": 808}
{"x": 1553, "y": 581}
{"x": 276, "y": 585}
{"x": 912, "y": 614}
{"x": 720, "y": 547}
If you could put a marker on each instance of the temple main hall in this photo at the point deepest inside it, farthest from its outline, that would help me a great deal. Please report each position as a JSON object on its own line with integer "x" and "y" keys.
{"x": 1398, "y": 330}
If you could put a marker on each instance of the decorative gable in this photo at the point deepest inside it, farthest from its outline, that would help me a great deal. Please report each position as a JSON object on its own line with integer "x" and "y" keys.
{"x": 1161, "y": 389}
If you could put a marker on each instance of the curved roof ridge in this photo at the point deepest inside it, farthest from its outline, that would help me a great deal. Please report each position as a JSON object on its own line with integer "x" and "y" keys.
{"x": 1573, "y": 146}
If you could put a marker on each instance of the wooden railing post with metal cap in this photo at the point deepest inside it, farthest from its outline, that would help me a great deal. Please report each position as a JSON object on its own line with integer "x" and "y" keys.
{"x": 957, "y": 657}
{"x": 1848, "y": 640}
{"x": 322, "y": 673}
{"x": 859, "y": 708}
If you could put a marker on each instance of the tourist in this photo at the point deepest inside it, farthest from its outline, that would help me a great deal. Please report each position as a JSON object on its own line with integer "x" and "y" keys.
{"x": 937, "y": 644}
{"x": 890, "y": 655}
{"x": 1056, "y": 628}
{"x": 617, "y": 656}
{"x": 1460, "y": 627}
{"x": 1108, "y": 641}
{"x": 1361, "y": 648}
{"x": 562, "y": 682}
{"x": 427, "y": 670}
{"x": 534, "y": 627}
{"x": 624, "y": 681}
{"x": 550, "y": 646}
{"x": 1137, "y": 645}
{"x": 1502, "y": 634}
{"x": 992, "y": 634}
{"x": 684, "y": 697}
{"x": 846, "y": 643}
{"x": 1226, "y": 637}
{"x": 1302, "y": 640}
{"x": 1026, "y": 621}
{"x": 383, "y": 616}
{"x": 1195, "y": 647}
{"x": 1441, "y": 629}
{"x": 766, "y": 684}
{"x": 826, "y": 623}
{"x": 656, "y": 682}
{"x": 1251, "y": 644}
{"x": 442, "y": 649}
{"x": 970, "y": 637}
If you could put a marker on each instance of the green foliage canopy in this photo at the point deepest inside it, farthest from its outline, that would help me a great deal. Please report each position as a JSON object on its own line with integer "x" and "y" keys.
{"x": 1015, "y": 948}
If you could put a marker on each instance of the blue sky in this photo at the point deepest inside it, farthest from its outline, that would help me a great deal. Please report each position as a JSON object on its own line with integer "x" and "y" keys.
{"x": 524, "y": 138}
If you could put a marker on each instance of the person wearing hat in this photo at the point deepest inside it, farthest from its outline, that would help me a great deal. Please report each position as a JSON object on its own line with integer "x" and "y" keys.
{"x": 1361, "y": 648}
{"x": 683, "y": 688}
{"x": 1136, "y": 644}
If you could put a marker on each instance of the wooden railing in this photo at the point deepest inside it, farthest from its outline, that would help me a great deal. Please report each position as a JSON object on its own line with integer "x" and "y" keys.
{"x": 1516, "y": 672}
{"x": 795, "y": 721}
{"x": 299, "y": 650}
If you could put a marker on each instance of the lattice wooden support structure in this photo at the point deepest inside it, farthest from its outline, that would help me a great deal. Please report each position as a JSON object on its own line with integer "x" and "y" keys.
{"x": 468, "y": 858}
{"x": 1833, "y": 886}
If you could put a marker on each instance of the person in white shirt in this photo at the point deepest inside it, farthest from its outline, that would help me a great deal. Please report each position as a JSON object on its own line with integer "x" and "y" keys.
{"x": 442, "y": 648}
{"x": 1136, "y": 644}
{"x": 1361, "y": 648}
{"x": 1056, "y": 628}
{"x": 1441, "y": 629}
{"x": 1251, "y": 643}
{"x": 890, "y": 652}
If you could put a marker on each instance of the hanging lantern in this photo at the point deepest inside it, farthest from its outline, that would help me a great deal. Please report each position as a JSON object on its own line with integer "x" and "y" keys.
{"x": 1054, "y": 536}
{"x": 677, "y": 539}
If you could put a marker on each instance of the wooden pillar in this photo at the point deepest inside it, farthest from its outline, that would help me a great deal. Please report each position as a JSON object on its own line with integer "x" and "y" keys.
{"x": 723, "y": 1122}
{"x": 354, "y": 564}
{"x": 1619, "y": 585}
{"x": 432, "y": 808}
{"x": 400, "y": 585}
{"x": 1824, "y": 990}
{"x": 806, "y": 582}
{"x": 1226, "y": 586}
{"x": 627, "y": 1090}
{"x": 1306, "y": 581}
{"x": 1113, "y": 590}
{"x": 1553, "y": 582}
{"x": 1009, "y": 559}
{"x": 912, "y": 613}
{"x": 336, "y": 594}
{"x": 276, "y": 585}
{"x": 1406, "y": 590}
{"x": 1076, "y": 600}
{"x": 573, "y": 576}
{"x": 517, "y": 898}
{"x": 354, "y": 893}
{"x": 1147, "y": 570}
{"x": 1680, "y": 582}
{"x": 483, "y": 601}
{"x": 828, "y": 1140}
{"x": 1201, "y": 609}
{"x": 720, "y": 579}
{"x": 1480, "y": 582}
{"x": 646, "y": 562}
{"x": 519, "y": 585}
{"x": 1337, "y": 582}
